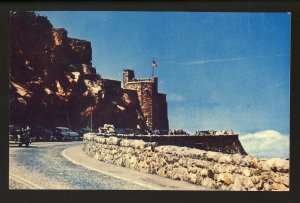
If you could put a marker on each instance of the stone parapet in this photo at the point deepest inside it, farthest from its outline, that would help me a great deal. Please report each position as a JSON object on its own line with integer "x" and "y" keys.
{"x": 209, "y": 169}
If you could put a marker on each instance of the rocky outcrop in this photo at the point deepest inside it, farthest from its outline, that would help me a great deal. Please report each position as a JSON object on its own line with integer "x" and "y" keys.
{"x": 210, "y": 169}
{"x": 53, "y": 82}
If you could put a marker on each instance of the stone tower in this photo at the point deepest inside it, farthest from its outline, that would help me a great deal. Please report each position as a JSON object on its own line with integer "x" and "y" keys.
{"x": 128, "y": 75}
{"x": 153, "y": 104}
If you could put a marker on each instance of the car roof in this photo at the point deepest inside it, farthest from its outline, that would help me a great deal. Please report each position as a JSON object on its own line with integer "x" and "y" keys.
{"x": 65, "y": 128}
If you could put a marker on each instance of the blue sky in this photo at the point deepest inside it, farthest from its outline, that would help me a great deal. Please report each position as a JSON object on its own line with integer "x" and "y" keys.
{"x": 219, "y": 70}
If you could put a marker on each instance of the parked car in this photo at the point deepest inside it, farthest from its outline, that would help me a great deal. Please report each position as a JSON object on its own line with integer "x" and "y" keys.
{"x": 82, "y": 131}
{"x": 65, "y": 134}
{"x": 50, "y": 134}
{"x": 19, "y": 135}
{"x": 38, "y": 133}
{"x": 74, "y": 135}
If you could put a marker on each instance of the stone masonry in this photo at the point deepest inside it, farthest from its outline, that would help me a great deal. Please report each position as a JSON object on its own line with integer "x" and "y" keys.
{"x": 153, "y": 104}
{"x": 209, "y": 169}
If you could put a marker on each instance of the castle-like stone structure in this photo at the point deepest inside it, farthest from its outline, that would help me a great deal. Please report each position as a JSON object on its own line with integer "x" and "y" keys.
{"x": 143, "y": 107}
{"x": 153, "y": 104}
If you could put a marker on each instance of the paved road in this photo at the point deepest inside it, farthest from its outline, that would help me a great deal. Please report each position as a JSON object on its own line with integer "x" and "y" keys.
{"x": 42, "y": 166}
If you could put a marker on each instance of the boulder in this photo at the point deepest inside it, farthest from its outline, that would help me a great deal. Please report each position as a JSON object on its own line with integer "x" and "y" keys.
{"x": 99, "y": 139}
{"x": 267, "y": 186}
{"x": 281, "y": 179}
{"x": 138, "y": 144}
{"x": 246, "y": 172}
{"x": 236, "y": 158}
{"x": 207, "y": 182}
{"x": 255, "y": 180}
{"x": 225, "y": 159}
{"x": 278, "y": 186}
{"x": 277, "y": 164}
{"x": 212, "y": 156}
{"x": 125, "y": 143}
{"x": 192, "y": 178}
{"x": 113, "y": 141}
{"x": 226, "y": 178}
{"x": 237, "y": 185}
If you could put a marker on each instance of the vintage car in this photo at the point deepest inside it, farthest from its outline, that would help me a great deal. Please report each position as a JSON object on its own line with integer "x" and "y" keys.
{"x": 19, "y": 135}
{"x": 82, "y": 131}
{"x": 39, "y": 134}
{"x": 65, "y": 134}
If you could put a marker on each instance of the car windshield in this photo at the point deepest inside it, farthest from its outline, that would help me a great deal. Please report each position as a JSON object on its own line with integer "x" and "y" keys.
{"x": 63, "y": 130}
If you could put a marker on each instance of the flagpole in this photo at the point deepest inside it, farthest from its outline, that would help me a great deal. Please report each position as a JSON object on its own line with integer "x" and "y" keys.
{"x": 152, "y": 67}
{"x": 152, "y": 71}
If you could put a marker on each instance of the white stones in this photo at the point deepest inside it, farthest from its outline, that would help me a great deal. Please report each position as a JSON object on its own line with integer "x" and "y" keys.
{"x": 263, "y": 165}
{"x": 119, "y": 162}
{"x": 88, "y": 136}
{"x": 113, "y": 141}
{"x": 138, "y": 144}
{"x": 226, "y": 178}
{"x": 237, "y": 185}
{"x": 278, "y": 186}
{"x": 133, "y": 160}
{"x": 281, "y": 179}
{"x": 254, "y": 162}
{"x": 207, "y": 182}
{"x": 125, "y": 143}
{"x": 192, "y": 178}
{"x": 225, "y": 159}
{"x": 277, "y": 164}
{"x": 236, "y": 158}
{"x": 246, "y": 172}
{"x": 267, "y": 186}
{"x": 204, "y": 172}
{"x": 247, "y": 183}
{"x": 101, "y": 140}
{"x": 209, "y": 169}
{"x": 113, "y": 152}
{"x": 256, "y": 179}
{"x": 212, "y": 156}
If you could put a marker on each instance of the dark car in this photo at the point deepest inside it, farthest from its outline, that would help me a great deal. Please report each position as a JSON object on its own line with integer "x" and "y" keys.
{"x": 19, "y": 135}
{"x": 38, "y": 133}
{"x": 82, "y": 131}
{"x": 50, "y": 134}
{"x": 64, "y": 134}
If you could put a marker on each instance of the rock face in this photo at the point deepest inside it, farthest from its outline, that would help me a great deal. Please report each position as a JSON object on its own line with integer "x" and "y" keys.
{"x": 210, "y": 169}
{"x": 53, "y": 82}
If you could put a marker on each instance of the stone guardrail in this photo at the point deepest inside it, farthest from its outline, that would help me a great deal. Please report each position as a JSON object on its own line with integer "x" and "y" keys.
{"x": 209, "y": 169}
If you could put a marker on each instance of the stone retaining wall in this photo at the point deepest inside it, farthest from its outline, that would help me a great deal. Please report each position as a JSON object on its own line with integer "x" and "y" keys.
{"x": 228, "y": 144}
{"x": 209, "y": 169}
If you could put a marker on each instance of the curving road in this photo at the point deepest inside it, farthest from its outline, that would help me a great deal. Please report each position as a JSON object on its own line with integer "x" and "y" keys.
{"x": 42, "y": 166}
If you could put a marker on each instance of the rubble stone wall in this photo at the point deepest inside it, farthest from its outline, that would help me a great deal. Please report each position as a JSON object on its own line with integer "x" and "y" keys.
{"x": 209, "y": 169}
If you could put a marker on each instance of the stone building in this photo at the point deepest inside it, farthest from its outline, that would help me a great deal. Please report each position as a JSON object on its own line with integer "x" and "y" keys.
{"x": 153, "y": 105}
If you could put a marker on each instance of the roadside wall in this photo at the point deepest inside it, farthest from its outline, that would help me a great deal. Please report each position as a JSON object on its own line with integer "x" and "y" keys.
{"x": 228, "y": 144}
{"x": 209, "y": 169}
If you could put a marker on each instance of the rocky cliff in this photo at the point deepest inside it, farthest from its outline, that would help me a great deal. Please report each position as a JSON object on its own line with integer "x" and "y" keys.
{"x": 53, "y": 82}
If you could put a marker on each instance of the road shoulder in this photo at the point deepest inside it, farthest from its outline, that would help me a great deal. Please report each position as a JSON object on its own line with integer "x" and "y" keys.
{"x": 77, "y": 156}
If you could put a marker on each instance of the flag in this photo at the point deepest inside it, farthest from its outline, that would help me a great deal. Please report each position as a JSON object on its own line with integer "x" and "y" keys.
{"x": 154, "y": 64}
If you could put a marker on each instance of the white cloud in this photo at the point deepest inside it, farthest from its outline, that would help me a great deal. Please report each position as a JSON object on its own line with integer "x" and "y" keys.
{"x": 212, "y": 60}
{"x": 266, "y": 144}
{"x": 176, "y": 98}
{"x": 200, "y": 62}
